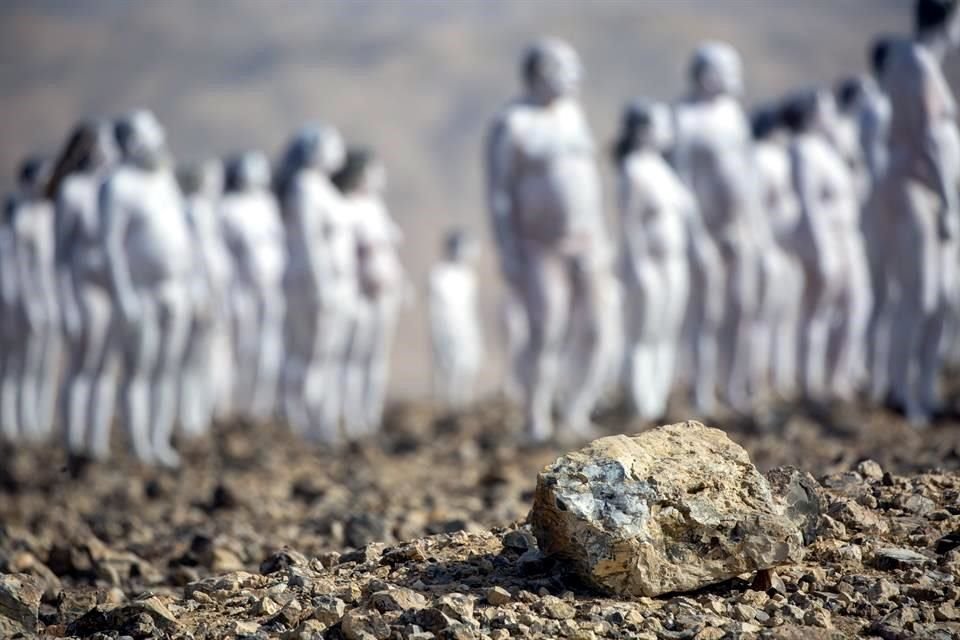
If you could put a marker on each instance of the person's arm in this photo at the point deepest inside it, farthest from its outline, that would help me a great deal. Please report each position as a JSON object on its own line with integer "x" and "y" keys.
{"x": 114, "y": 220}
{"x": 804, "y": 181}
{"x": 501, "y": 170}
{"x": 31, "y": 298}
{"x": 64, "y": 231}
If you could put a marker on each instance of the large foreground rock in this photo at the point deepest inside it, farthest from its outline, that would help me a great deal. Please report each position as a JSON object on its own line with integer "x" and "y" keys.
{"x": 672, "y": 509}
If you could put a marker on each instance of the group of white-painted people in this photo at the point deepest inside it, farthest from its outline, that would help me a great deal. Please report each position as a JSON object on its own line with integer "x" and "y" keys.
{"x": 163, "y": 298}
{"x": 808, "y": 250}
{"x": 805, "y": 251}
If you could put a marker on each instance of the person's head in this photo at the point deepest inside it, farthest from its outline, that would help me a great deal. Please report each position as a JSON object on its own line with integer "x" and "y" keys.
{"x": 765, "y": 122}
{"x": 361, "y": 172}
{"x": 800, "y": 111}
{"x": 848, "y": 93}
{"x": 204, "y": 178}
{"x": 932, "y": 17}
{"x": 645, "y": 125}
{"x": 90, "y": 147}
{"x": 459, "y": 246}
{"x": 247, "y": 171}
{"x": 550, "y": 69}
{"x": 316, "y": 147}
{"x": 877, "y": 55}
{"x": 141, "y": 139}
{"x": 32, "y": 176}
{"x": 716, "y": 69}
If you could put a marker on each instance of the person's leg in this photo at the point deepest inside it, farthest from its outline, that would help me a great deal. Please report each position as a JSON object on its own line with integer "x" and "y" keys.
{"x": 100, "y": 369}
{"x": 546, "y": 297}
{"x": 141, "y": 351}
{"x": 173, "y": 322}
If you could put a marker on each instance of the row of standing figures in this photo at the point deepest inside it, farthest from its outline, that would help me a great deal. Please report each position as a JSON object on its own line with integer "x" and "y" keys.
{"x": 806, "y": 251}
{"x": 170, "y": 298}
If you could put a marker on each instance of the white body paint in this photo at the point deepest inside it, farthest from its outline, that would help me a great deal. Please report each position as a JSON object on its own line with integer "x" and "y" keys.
{"x": 657, "y": 211}
{"x": 920, "y": 194}
{"x": 255, "y": 237}
{"x": 381, "y": 282}
{"x": 206, "y": 384}
{"x": 544, "y": 196}
{"x": 151, "y": 263}
{"x": 320, "y": 285}
{"x": 35, "y": 320}
{"x": 11, "y": 330}
{"x": 713, "y": 157}
{"x": 782, "y": 294}
{"x": 455, "y": 333}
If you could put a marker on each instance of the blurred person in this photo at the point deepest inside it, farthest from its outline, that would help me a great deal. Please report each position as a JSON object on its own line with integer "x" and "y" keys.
{"x": 150, "y": 262}
{"x": 545, "y": 204}
{"x": 382, "y": 286}
{"x": 837, "y": 295}
{"x": 35, "y": 350}
{"x": 658, "y": 217}
{"x": 319, "y": 283}
{"x": 11, "y": 328}
{"x": 875, "y": 116}
{"x": 455, "y": 334}
{"x": 89, "y": 390}
{"x": 779, "y": 203}
{"x": 206, "y": 384}
{"x": 919, "y": 191}
{"x": 712, "y": 156}
{"x": 844, "y": 132}
{"x": 254, "y": 235}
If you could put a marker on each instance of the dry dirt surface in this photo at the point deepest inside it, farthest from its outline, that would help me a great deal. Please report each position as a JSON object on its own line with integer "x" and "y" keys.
{"x": 422, "y": 535}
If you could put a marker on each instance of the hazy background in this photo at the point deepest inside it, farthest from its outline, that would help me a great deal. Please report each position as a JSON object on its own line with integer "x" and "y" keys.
{"x": 418, "y": 80}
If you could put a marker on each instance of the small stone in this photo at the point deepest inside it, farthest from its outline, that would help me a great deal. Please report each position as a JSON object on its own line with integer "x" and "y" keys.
{"x": 632, "y": 515}
{"x": 362, "y": 624}
{"x": 798, "y": 492}
{"x": 882, "y": 590}
{"x": 400, "y": 599}
{"x": 267, "y": 607}
{"x": 519, "y": 541}
{"x": 457, "y": 606}
{"x": 767, "y": 580}
{"x": 281, "y": 560}
{"x": 710, "y": 633}
{"x": 328, "y": 609}
{"x": 946, "y": 612}
{"x": 744, "y": 612}
{"x": 870, "y": 470}
{"x": 20, "y": 596}
{"x": 498, "y": 596}
{"x": 555, "y": 608}
{"x": 818, "y": 618}
{"x": 889, "y": 559}
{"x": 919, "y": 505}
{"x": 245, "y": 627}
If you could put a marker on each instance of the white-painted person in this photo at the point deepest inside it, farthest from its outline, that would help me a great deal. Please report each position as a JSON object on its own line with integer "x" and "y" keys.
{"x": 920, "y": 189}
{"x": 713, "y": 157}
{"x": 382, "y": 285}
{"x": 544, "y": 199}
{"x": 779, "y": 203}
{"x": 657, "y": 218}
{"x": 88, "y": 394}
{"x": 254, "y": 234}
{"x": 151, "y": 264}
{"x": 11, "y": 328}
{"x": 206, "y": 384}
{"x": 319, "y": 283}
{"x": 837, "y": 294}
{"x": 454, "y": 315}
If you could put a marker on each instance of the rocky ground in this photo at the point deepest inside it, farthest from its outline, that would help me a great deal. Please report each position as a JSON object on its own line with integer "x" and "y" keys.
{"x": 421, "y": 536}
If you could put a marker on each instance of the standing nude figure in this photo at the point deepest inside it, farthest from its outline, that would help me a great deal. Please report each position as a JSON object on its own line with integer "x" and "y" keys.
{"x": 713, "y": 157}
{"x": 89, "y": 388}
{"x": 837, "y": 299}
{"x": 778, "y": 201}
{"x": 11, "y": 327}
{"x": 35, "y": 352}
{"x": 254, "y": 234}
{"x": 151, "y": 265}
{"x": 544, "y": 199}
{"x": 920, "y": 191}
{"x": 455, "y": 333}
{"x": 381, "y": 288}
{"x": 319, "y": 283}
{"x": 206, "y": 383}
{"x": 658, "y": 217}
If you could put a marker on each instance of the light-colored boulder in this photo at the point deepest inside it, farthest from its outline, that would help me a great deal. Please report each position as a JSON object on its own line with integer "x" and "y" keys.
{"x": 672, "y": 509}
